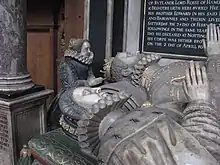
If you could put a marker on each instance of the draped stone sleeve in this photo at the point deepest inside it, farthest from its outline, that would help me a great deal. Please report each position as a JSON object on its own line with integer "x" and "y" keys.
{"x": 69, "y": 77}
{"x": 152, "y": 140}
{"x": 202, "y": 122}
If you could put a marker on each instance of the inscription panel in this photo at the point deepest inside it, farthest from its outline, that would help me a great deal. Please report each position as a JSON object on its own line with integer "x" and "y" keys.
{"x": 5, "y": 142}
{"x": 4, "y": 134}
{"x": 177, "y": 27}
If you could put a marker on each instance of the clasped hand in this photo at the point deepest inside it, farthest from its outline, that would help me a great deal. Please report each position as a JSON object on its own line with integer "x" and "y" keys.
{"x": 95, "y": 81}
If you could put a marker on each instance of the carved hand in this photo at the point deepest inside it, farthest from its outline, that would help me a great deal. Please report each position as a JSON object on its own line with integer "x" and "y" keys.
{"x": 212, "y": 47}
{"x": 196, "y": 84}
{"x": 95, "y": 81}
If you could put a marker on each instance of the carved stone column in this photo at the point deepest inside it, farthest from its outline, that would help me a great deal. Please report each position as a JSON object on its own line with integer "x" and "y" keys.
{"x": 22, "y": 103}
{"x": 13, "y": 67}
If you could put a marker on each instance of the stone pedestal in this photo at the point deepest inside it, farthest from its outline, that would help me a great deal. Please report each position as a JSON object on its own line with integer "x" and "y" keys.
{"x": 20, "y": 119}
{"x": 22, "y": 103}
{"x": 13, "y": 41}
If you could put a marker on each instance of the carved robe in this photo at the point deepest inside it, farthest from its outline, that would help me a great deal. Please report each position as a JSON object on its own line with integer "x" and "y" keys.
{"x": 155, "y": 137}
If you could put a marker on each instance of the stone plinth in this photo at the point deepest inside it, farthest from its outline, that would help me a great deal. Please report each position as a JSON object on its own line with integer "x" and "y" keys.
{"x": 13, "y": 41}
{"x": 21, "y": 118}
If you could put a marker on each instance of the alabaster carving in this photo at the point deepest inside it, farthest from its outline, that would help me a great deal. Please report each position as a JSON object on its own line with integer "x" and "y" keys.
{"x": 168, "y": 133}
{"x": 75, "y": 71}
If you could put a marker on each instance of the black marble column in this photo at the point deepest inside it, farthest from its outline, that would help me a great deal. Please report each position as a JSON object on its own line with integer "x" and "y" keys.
{"x": 13, "y": 40}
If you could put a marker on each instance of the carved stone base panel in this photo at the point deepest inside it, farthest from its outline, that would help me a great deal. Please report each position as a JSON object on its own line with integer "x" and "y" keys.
{"x": 20, "y": 119}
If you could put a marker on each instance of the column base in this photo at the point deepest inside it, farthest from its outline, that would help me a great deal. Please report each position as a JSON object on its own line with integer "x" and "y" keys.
{"x": 15, "y": 84}
{"x": 16, "y": 94}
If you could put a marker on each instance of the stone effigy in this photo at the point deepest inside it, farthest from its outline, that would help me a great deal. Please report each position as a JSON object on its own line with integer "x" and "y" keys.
{"x": 75, "y": 71}
{"x": 82, "y": 100}
{"x": 163, "y": 80}
{"x": 47, "y": 148}
{"x": 167, "y": 80}
{"x": 124, "y": 73}
{"x": 161, "y": 134}
{"x": 180, "y": 126}
{"x": 185, "y": 124}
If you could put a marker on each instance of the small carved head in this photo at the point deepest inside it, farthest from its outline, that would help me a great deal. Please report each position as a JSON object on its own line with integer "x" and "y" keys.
{"x": 86, "y": 96}
{"x": 123, "y": 66}
{"x": 80, "y": 49}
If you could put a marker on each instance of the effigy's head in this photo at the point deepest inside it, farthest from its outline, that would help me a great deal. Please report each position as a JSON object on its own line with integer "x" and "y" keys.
{"x": 81, "y": 50}
{"x": 128, "y": 66}
{"x": 87, "y": 96}
{"x": 122, "y": 66}
{"x": 76, "y": 102}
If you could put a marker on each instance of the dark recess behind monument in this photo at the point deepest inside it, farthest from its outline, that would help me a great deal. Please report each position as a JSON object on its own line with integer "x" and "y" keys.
{"x": 118, "y": 26}
{"x": 141, "y": 25}
{"x": 97, "y": 33}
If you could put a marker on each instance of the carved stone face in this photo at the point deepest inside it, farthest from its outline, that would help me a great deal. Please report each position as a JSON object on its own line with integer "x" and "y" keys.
{"x": 85, "y": 50}
{"x": 123, "y": 66}
{"x": 86, "y": 96}
{"x": 80, "y": 50}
